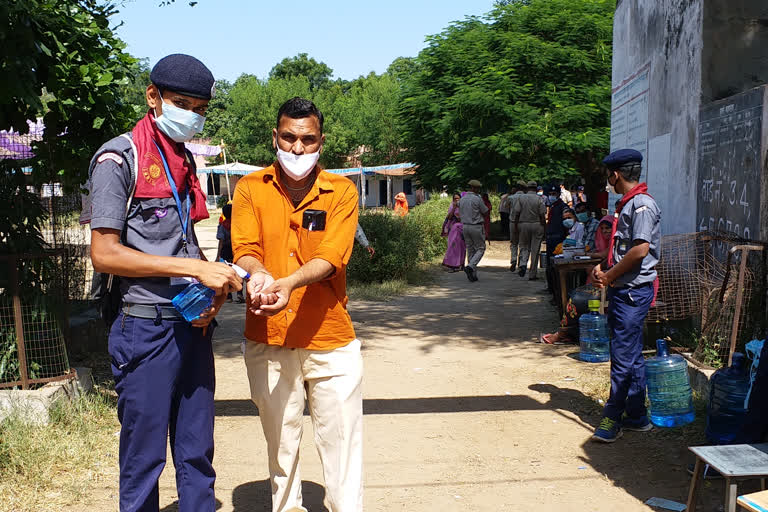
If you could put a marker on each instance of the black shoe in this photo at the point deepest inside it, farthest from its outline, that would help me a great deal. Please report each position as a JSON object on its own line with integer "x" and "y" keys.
{"x": 710, "y": 473}
{"x": 474, "y": 275}
{"x": 512, "y": 268}
{"x": 522, "y": 272}
{"x": 468, "y": 271}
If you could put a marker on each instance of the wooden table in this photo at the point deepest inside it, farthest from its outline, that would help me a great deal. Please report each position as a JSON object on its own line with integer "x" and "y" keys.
{"x": 564, "y": 266}
{"x": 755, "y": 502}
{"x": 735, "y": 462}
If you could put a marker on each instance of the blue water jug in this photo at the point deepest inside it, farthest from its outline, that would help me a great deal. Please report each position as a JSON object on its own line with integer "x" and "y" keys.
{"x": 193, "y": 300}
{"x": 726, "y": 410}
{"x": 594, "y": 336}
{"x": 669, "y": 388}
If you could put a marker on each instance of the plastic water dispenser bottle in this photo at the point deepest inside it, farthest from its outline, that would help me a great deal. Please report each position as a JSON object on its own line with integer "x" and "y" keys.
{"x": 193, "y": 300}
{"x": 669, "y": 388}
{"x": 726, "y": 409}
{"x": 594, "y": 335}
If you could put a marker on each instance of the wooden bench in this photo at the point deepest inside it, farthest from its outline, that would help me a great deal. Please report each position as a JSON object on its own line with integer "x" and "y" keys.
{"x": 735, "y": 462}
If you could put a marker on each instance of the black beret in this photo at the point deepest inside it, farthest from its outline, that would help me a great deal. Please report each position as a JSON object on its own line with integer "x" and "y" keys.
{"x": 621, "y": 157}
{"x": 183, "y": 74}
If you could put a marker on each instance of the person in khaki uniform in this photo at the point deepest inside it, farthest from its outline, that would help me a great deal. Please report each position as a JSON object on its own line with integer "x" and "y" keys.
{"x": 529, "y": 218}
{"x": 514, "y": 235}
{"x": 472, "y": 211}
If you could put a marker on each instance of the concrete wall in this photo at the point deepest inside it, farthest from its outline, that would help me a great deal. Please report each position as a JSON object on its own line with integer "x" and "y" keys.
{"x": 667, "y": 34}
{"x": 735, "y": 57}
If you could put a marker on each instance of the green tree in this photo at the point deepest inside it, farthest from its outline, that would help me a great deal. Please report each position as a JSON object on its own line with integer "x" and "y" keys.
{"x": 318, "y": 73}
{"x": 63, "y": 63}
{"x": 521, "y": 93}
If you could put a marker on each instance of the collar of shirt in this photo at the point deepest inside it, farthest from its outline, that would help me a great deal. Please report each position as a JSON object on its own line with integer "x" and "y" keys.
{"x": 321, "y": 184}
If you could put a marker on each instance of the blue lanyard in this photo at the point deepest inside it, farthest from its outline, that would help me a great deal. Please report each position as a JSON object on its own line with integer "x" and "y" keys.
{"x": 184, "y": 221}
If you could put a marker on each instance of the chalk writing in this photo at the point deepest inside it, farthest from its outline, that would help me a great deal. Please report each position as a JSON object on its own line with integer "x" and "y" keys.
{"x": 729, "y": 164}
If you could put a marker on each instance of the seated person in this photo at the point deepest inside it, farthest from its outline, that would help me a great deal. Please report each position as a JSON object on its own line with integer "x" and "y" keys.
{"x": 569, "y": 324}
{"x": 574, "y": 227}
{"x": 589, "y": 222}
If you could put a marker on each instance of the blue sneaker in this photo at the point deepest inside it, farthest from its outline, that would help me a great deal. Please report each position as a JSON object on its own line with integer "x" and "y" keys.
{"x": 641, "y": 424}
{"x": 608, "y": 431}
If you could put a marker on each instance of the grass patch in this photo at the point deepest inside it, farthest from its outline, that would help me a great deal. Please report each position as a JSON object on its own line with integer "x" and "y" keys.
{"x": 43, "y": 468}
{"x": 391, "y": 288}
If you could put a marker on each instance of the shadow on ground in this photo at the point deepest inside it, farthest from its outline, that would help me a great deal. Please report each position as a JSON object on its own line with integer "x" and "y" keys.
{"x": 451, "y": 311}
{"x": 258, "y": 496}
{"x": 646, "y": 465}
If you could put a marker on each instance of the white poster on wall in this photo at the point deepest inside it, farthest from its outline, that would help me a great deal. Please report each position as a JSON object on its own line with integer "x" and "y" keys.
{"x": 629, "y": 119}
{"x": 657, "y": 163}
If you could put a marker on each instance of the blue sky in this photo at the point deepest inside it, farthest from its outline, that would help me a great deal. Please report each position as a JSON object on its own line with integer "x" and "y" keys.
{"x": 240, "y": 36}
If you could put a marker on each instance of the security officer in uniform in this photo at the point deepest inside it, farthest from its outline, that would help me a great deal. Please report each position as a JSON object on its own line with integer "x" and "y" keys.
{"x": 631, "y": 277}
{"x": 145, "y": 199}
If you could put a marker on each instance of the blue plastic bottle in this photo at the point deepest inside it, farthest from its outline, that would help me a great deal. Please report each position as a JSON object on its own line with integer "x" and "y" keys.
{"x": 669, "y": 388}
{"x": 193, "y": 300}
{"x": 594, "y": 336}
{"x": 726, "y": 410}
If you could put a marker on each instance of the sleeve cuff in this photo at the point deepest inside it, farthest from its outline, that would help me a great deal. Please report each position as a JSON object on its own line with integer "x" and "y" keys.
{"x": 107, "y": 222}
{"x": 645, "y": 237}
{"x": 330, "y": 255}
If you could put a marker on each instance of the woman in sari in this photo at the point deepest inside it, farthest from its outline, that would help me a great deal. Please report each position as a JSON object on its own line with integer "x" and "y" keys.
{"x": 401, "y": 205}
{"x": 569, "y": 325}
{"x": 452, "y": 228}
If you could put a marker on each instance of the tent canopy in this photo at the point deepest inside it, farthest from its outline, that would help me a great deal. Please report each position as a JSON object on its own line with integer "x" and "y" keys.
{"x": 387, "y": 170}
{"x": 235, "y": 168}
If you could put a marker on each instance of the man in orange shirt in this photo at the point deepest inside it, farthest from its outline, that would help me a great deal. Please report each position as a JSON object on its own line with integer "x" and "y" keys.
{"x": 293, "y": 227}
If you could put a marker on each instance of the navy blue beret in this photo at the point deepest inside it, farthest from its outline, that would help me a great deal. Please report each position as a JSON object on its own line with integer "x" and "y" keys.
{"x": 183, "y": 74}
{"x": 621, "y": 157}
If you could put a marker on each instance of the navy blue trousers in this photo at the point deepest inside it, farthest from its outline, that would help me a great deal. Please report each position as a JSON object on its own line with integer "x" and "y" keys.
{"x": 626, "y": 316}
{"x": 164, "y": 378}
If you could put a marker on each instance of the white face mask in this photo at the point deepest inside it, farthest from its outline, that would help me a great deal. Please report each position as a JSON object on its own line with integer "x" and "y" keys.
{"x": 179, "y": 124}
{"x": 297, "y": 167}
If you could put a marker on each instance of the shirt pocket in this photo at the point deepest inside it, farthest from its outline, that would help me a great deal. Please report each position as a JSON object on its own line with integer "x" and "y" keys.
{"x": 309, "y": 241}
{"x": 156, "y": 219}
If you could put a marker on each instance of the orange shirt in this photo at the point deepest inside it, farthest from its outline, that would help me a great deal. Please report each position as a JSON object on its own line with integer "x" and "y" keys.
{"x": 266, "y": 225}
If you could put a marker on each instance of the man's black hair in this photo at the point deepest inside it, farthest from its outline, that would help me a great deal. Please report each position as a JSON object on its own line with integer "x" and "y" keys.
{"x": 227, "y": 210}
{"x": 299, "y": 108}
{"x": 630, "y": 171}
{"x": 581, "y": 205}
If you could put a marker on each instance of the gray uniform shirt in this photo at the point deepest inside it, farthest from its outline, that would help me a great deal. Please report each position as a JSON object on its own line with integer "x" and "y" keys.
{"x": 152, "y": 226}
{"x": 472, "y": 209}
{"x": 530, "y": 208}
{"x": 640, "y": 219}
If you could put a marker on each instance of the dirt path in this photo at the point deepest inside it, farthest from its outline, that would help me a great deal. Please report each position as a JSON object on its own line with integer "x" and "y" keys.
{"x": 464, "y": 411}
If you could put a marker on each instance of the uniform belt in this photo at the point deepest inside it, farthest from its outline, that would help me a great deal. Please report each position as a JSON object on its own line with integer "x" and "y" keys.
{"x": 151, "y": 312}
{"x": 630, "y": 287}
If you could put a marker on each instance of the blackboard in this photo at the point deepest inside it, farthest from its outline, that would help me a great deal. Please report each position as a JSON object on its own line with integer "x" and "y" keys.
{"x": 729, "y": 166}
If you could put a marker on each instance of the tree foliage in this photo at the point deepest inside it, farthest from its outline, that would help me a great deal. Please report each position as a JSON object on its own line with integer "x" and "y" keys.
{"x": 521, "y": 93}
{"x": 317, "y": 73}
{"x": 63, "y": 63}
{"x": 360, "y": 116}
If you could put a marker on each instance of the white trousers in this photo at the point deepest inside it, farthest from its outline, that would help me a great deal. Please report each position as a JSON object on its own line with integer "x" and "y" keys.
{"x": 332, "y": 380}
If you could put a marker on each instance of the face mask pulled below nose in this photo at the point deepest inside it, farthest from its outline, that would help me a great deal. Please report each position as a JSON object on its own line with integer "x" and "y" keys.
{"x": 552, "y": 199}
{"x": 583, "y": 216}
{"x": 297, "y": 167}
{"x": 179, "y": 124}
{"x": 568, "y": 223}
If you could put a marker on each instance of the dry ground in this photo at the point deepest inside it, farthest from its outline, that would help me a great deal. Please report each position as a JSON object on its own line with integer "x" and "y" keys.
{"x": 464, "y": 411}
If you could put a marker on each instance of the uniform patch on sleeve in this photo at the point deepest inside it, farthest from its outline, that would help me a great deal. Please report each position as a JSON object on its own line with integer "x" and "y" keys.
{"x": 641, "y": 209}
{"x": 110, "y": 156}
